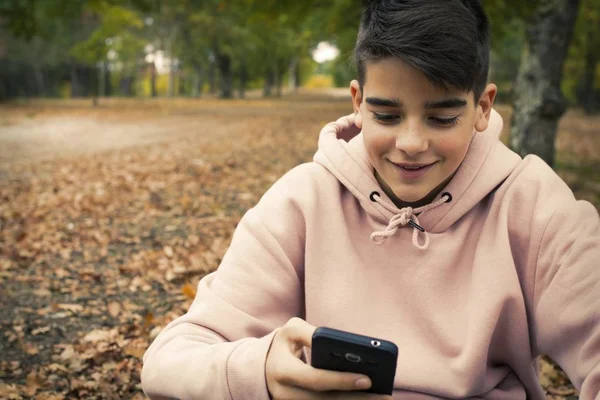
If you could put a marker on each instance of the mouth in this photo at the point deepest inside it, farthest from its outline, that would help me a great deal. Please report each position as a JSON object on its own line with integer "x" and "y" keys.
{"x": 413, "y": 170}
{"x": 413, "y": 166}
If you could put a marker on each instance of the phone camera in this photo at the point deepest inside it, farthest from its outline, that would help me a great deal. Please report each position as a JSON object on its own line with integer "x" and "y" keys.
{"x": 353, "y": 358}
{"x": 376, "y": 343}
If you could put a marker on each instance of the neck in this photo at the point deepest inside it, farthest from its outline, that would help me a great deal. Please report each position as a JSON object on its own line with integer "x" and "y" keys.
{"x": 398, "y": 202}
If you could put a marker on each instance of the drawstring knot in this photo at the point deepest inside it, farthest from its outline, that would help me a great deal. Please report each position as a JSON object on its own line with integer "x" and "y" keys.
{"x": 406, "y": 216}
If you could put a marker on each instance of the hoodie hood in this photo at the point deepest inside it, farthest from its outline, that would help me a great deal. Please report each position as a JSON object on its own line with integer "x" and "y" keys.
{"x": 487, "y": 164}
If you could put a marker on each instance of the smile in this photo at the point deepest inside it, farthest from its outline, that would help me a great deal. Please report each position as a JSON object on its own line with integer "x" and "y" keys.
{"x": 413, "y": 171}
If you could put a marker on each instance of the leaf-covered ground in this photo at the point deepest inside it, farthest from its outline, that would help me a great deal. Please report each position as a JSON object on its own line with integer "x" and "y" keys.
{"x": 110, "y": 215}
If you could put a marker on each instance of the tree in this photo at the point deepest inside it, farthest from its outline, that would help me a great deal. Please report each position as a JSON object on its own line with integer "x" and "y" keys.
{"x": 539, "y": 102}
{"x": 585, "y": 54}
{"x": 114, "y": 41}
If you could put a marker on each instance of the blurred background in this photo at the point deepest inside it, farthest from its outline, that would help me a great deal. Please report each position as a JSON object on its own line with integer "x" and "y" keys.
{"x": 134, "y": 134}
{"x": 194, "y": 48}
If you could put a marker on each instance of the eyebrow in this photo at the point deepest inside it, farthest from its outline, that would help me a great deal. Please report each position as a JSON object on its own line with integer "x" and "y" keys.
{"x": 447, "y": 103}
{"x": 377, "y": 101}
{"x": 396, "y": 103}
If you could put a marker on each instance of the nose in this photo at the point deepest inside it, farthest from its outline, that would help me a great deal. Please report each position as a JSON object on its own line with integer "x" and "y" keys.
{"x": 411, "y": 140}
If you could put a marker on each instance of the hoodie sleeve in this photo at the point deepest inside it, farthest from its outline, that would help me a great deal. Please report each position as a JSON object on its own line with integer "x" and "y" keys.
{"x": 567, "y": 286}
{"x": 218, "y": 349}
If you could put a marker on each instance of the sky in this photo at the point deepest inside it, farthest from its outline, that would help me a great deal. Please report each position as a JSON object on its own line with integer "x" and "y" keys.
{"x": 325, "y": 52}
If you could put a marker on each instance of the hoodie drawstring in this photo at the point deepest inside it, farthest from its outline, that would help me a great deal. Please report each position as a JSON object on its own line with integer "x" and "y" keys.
{"x": 406, "y": 216}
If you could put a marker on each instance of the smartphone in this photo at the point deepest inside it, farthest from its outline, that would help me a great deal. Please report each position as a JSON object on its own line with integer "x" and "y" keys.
{"x": 337, "y": 350}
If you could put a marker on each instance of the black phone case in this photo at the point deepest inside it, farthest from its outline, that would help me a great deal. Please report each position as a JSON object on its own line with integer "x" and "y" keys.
{"x": 337, "y": 350}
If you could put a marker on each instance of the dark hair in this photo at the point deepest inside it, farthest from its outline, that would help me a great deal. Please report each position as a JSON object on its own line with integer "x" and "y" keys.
{"x": 447, "y": 40}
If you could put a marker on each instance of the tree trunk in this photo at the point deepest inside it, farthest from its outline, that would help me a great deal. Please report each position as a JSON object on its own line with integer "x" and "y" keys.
{"x": 107, "y": 83}
{"x": 76, "y": 89}
{"x": 243, "y": 80}
{"x": 171, "y": 85}
{"x": 224, "y": 62}
{"x": 171, "y": 81}
{"x": 198, "y": 82}
{"x": 87, "y": 80}
{"x": 279, "y": 68}
{"x": 153, "y": 79}
{"x": 101, "y": 78}
{"x": 298, "y": 75}
{"x": 197, "y": 85}
{"x": 212, "y": 78}
{"x": 180, "y": 85}
{"x": 39, "y": 80}
{"x": 269, "y": 78}
{"x": 292, "y": 84}
{"x": 126, "y": 85}
{"x": 538, "y": 102}
{"x": 591, "y": 62}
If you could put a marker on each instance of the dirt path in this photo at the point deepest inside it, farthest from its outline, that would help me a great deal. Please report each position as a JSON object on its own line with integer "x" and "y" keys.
{"x": 48, "y": 129}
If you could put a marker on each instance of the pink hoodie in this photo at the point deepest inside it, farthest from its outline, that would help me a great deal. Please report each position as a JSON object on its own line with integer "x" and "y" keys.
{"x": 507, "y": 268}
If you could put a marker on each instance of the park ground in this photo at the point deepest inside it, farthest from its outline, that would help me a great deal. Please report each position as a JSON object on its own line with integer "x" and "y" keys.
{"x": 109, "y": 216}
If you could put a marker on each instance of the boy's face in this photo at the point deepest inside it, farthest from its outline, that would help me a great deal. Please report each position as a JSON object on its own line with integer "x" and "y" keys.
{"x": 416, "y": 134}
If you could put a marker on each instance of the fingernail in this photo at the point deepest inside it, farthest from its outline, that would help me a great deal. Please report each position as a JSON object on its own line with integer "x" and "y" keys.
{"x": 362, "y": 383}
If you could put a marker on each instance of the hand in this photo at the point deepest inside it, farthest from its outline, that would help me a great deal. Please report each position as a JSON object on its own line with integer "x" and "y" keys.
{"x": 344, "y": 127}
{"x": 288, "y": 377}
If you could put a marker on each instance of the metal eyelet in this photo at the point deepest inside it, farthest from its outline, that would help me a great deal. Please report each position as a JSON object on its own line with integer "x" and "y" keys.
{"x": 372, "y": 196}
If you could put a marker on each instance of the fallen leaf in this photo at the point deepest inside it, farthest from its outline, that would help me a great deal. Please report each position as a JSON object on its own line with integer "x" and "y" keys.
{"x": 134, "y": 351}
{"x": 189, "y": 291}
{"x": 49, "y": 396}
{"x": 29, "y": 348}
{"x": 148, "y": 319}
{"x": 42, "y": 292}
{"x": 40, "y": 330}
{"x": 7, "y": 390}
{"x": 74, "y": 308}
{"x": 67, "y": 353}
{"x": 98, "y": 335}
{"x": 114, "y": 308}
{"x": 54, "y": 367}
{"x": 32, "y": 384}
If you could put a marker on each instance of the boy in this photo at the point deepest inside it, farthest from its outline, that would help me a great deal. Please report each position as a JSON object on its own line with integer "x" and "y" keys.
{"x": 413, "y": 224}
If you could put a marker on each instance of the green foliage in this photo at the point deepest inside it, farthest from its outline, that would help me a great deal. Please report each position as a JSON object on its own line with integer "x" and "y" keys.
{"x": 260, "y": 38}
{"x": 505, "y": 15}
{"x": 116, "y": 32}
{"x": 585, "y": 47}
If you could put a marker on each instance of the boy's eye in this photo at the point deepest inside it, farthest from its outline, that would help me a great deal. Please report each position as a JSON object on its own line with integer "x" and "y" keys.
{"x": 444, "y": 121}
{"x": 386, "y": 117}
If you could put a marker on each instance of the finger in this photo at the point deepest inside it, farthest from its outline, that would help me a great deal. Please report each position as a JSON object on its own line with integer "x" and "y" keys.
{"x": 305, "y": 376}
{"x": 345, "y": 127}
{"x": 346, "y": 121}
{"x": 300, "y": 332}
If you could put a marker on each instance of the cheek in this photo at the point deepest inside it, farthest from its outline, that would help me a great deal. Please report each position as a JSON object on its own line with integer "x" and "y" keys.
{"x": 453, "y": 149}
{"x": 375, "y": 141}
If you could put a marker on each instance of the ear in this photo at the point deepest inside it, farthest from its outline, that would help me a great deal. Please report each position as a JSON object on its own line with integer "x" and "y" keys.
{"x": 356, "y": 94}
{"x": 484, "y": 107}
